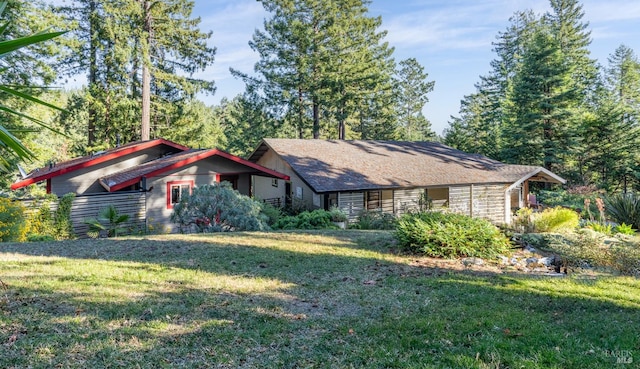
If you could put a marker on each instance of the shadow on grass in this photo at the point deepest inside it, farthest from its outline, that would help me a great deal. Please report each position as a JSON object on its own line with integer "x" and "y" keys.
{"x": 171, "y": 303}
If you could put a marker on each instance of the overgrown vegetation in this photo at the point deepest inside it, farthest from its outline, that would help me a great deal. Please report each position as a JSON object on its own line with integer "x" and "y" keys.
{"x": 586, "y": 248}
{"x": 450, "y": 235}
{"x": 218, "y": 208}
{"x": 12, "y": 224}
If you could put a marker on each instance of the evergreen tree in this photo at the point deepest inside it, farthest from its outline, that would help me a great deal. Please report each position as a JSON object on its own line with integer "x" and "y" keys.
{"x": 323, "y": 68}
{"x": 542, "y": 96}
{"x": 130, "y": 48}
{"x": 412, "y": 88}
{"x": 611, "y": 149}
{"x": 485, "y": 113}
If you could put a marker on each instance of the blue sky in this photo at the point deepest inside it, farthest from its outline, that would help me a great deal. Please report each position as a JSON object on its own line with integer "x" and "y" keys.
{"x": 450, "y": 38}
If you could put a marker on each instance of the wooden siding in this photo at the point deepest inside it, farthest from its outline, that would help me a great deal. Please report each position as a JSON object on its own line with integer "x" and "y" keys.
{"x": 89, "y": 206}
{"x": 406, "y": 200}
{"x": 460, "y": 199}
{"x": 481, "y": 201}
{"x": 488, "y": 202}
{"x": 86, "y": 207}
{"x": 351, "y": 203}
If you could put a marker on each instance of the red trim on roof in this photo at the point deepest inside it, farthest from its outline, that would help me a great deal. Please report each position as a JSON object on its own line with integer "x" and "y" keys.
{"x": 194, "y": 159}
{"x": 109, "y": 155}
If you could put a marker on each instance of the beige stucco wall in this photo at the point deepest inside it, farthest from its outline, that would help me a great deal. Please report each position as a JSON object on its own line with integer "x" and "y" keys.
{"x": 272, "y": 161}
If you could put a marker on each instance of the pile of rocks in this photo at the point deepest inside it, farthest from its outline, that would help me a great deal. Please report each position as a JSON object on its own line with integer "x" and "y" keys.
{"x": 527, "y": 260}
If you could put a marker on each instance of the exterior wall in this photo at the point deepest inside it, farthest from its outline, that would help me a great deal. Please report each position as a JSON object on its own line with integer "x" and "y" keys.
{"x": 406, "y": 200}
{"x": 352, "y": 203}
{"x": 460, "y": 199}
{"x": 85, "y": 181}
{"x": 263, "y": 189}
{"x": 298, "y": 186}
{"x": 488, "y": 202}
{"x": 201, "y": 173}
{"x": 482, "y": 201}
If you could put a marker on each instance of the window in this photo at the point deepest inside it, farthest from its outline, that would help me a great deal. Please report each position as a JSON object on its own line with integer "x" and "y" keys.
{"x": 274, "y": 182}
{"x": 175, "y": 190}
{"x": 374, "y": 200}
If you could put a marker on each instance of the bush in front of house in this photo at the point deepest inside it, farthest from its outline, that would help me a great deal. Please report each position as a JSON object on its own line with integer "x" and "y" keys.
{"x": 218, "y": 208}
{"x": 316, "y": 219}
{"x": 45, "y": 225}
{"x": 272, "y": 213}
{"x": 450, "y": 235}
{"x": 375, "y": 219}
{"x": 556, "y": 219}
{"x": 12, "y": 223}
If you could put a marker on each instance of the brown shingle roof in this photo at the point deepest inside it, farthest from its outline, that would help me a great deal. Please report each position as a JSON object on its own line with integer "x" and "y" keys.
{"x": 127, "y": 177}
{"x": 337, "y": 165}
{"x": 45, "y": 173}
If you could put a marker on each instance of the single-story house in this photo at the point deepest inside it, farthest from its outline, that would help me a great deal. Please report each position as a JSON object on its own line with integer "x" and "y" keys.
{"x": 157, "y": 172}
{"x": 394, "y": 177}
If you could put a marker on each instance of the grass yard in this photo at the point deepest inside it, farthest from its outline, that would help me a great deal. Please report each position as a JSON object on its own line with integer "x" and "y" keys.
{"x": 341, "y": 299}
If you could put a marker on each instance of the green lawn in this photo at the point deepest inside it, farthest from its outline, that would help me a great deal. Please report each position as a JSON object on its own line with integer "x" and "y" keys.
{"x": 341, "y": 299}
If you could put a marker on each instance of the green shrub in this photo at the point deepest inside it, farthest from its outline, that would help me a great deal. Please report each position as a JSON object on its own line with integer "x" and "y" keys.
{"x": 624, "y": 208}
{"x": 272, "y": 213}
{"x": 624, "y": 229}
{"x": 40, "y": 222}
{"x": 108, "y": 221}
{"x": 338, "y": 215}
{"x": 13, "y": 226}
{"x": 450, "y": 235}
{"x": 218, "y": 208}
{"x": 63, "y": 226}
{"x": 375, "y": 219}
{"x": 34, "y": 237}
{"x": 316, "y": 219}
{"x": 523, "y": 221}
{"x": 606, "y": 229}
{"x": 556, "y": 220}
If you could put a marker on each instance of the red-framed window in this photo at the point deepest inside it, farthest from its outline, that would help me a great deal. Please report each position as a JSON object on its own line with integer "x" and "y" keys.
{"x": 175, "y": 190}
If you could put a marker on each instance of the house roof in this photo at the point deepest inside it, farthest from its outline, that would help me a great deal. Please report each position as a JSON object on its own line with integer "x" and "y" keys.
{"x": 337, "y": 165}
{"x": 128, "y": 177}
{"x": 45, "y": 173}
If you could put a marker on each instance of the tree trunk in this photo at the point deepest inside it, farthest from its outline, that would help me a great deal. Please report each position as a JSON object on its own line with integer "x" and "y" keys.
{"x": 146, "y": 74}
{"x": 93, "y": 71}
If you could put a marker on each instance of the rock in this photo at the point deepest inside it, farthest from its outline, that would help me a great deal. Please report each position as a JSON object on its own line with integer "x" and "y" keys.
{"x": 503, "y": 260}
{"x": 530, "y": 249}
{"x": 472, "y": 261}
{"x": 546, "y": 261}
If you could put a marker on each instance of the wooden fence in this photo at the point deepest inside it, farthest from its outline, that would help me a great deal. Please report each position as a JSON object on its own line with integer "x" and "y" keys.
{"x": 89, "y": 206}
